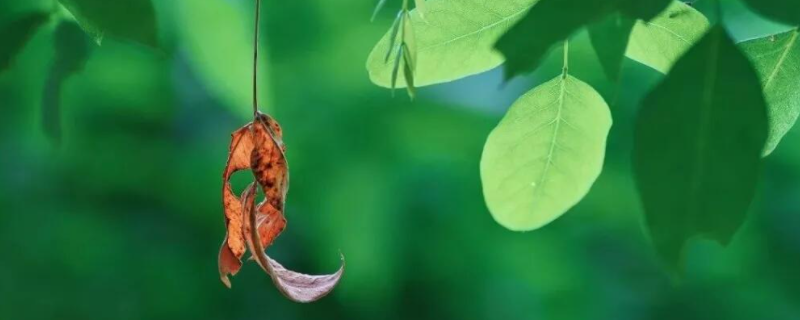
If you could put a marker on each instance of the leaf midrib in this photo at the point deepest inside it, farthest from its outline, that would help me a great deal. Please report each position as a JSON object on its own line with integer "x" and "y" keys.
{"x": 549, "y": 160}
{"x": 705, "y": 124}
{"x": 668, "y": 31}
{"x": 480, "y": 30}
{"x": 782, "y": 59}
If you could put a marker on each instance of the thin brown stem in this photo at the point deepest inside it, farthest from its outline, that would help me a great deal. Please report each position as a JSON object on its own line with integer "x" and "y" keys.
{"x": 255, "y": 61}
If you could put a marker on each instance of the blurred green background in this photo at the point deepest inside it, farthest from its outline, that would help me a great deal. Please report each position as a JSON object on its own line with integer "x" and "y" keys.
{"x": 124, "y": 219}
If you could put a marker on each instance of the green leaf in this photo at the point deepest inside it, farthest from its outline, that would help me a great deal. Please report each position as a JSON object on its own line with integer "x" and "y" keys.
{"x": 410, "y": 41}
{"x": 408, "y": 72}
{"x": 378, "y": 7}
{"x": 785, "y": 11}
{"x": 549, "y": 22}
{"x": 15, "y": 35}
{"x": 132, "y": 20}
{"x": 697, "y": 147}
{"x": 455, "y": 40}
{"x": 777, "y": 60}
{"x": 421, "y": 8}
{"x": 661, "y": 41}
{"x": 395, "y": 31}
{"x": 71, "y": 52}
{"x": 610, "y": 40}
{"x": 545, "y": 154}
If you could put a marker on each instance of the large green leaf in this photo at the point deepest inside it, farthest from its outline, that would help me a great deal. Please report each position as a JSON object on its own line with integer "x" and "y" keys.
{"x": 15, "y": 34}
{"x": 698, "y": 144}
{"x": 610, "y": 40}
{"x": 777, "y": 60}
{"x": 132, "y": 20}
{"x": 786, "y": 11}
{"x": 545, "y": 154}
{"x": 661, "y": 41}
{"x": 455, "y": 40}
{"x": 549, "y": 22}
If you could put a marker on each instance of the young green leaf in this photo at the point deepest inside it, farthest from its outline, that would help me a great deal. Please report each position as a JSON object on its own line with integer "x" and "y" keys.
{"x": 395, "y": 71}
{"x": 410, "y": 41}
{"x": 549, "y": 22}
{"x": 610, "y": 40}
{"x": 777, "y": 60}
{"x": 785, "y": 11}
{"x": 15, "y": 34}
{"x": 455, "y": 40}
{"x": 132, "y": 20}
{"x": 661, "y": 41}
{"x": 408, "y": 72}
{"x": 378, "y": 8}
{"x": 698, "y": 144}
{"x": 393, "y": 38}
{"x": 545, "y": 154}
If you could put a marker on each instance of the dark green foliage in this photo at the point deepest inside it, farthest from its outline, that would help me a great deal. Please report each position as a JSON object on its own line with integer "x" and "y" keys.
{"x": 785, "y": 11}
{"x": 72, "y": 50}
{"x": 551, "y": 21}
{"x": 15, "y": 34}
{"x": 643, "y": 9}
{"x": 698, "y": 143}
{"x": 132, "y": 20}
{"x": 610, "y": 40}
{"x": 547, "y": 23}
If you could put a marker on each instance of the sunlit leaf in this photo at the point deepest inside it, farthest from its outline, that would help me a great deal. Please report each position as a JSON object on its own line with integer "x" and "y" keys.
{"x": 15, "y": 34}
{"x": 549, "y": 22}
{"x": 421, "y": 8}
{"x": 71, "y": 53}
{"x": 698, "y": 144}
{"x": 777, "y": 60}
{"x": 545, "y": 154}
{"x": 661, "y": 41}
{"x": 455, "y": 40}
{"x": 786, "y": 11}
{"x": 133, "y": 20}
{"x": 610, "y": 40}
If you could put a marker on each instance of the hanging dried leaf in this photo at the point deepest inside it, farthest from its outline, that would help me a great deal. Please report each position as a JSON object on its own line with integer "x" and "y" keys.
{"x": 269, "y": 161}
{"x": 296, "y": 286}
{"x": 230, "y": 254}
{"x": 241, "y": 151}
{"x": 259, "y": 146}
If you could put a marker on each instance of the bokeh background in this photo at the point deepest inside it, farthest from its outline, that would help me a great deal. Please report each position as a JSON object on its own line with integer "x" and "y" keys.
{"x": 124, "y": 219}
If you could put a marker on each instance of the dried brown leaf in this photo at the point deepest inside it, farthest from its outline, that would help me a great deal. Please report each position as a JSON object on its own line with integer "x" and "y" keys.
{"x": 259, "y": 146}
{"x": 296, "y": 286}
{"x": 233, "y": 247}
